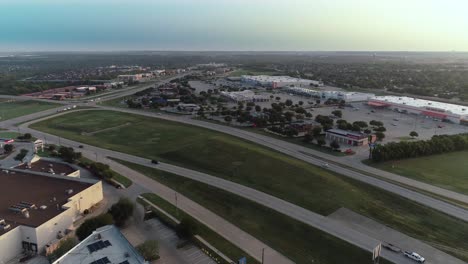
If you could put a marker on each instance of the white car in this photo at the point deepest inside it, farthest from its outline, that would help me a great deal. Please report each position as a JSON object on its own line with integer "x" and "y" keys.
{"x": 325, "y": 165}
{"x": 415, "y": 256}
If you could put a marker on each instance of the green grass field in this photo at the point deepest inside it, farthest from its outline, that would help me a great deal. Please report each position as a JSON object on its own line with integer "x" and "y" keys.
{"x": 301, "y": 243}
{"x": 11, "y": 109}
{"x": 448, "y": 171}
{"x": 7, "y": 134}
{"x": 258, "y": 167}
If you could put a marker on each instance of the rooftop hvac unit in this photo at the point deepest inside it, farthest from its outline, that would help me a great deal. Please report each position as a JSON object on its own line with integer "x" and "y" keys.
{"x": 43, "y": 207}
{"x": 69, "y": 191}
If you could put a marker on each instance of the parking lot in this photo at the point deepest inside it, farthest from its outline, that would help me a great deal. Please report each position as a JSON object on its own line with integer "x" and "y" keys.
{"x": 398, "y": 125}
{"x": 189, "y": 253}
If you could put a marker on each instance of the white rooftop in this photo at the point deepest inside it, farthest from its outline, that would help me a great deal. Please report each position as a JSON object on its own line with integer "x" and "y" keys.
{"x": 421, "y": 103}
{"x": 268, "y": 78}
{"x": 104, "y": 246}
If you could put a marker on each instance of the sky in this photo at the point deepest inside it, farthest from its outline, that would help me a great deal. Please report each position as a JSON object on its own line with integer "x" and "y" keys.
{"x": 234, "y": 25}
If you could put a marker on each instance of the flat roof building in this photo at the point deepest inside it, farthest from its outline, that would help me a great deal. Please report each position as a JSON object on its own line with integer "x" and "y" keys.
{"x": 347, "y": 137}
{"x": 438, "y": 110}
{"x": 278, "y": 81}
{"x": 338, "y": 95}
{"x": 104, "y": 246}
{"x": 36, "y": 209}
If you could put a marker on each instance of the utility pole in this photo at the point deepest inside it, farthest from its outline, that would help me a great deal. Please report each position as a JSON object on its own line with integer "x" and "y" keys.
{"x": 177, "y": 208}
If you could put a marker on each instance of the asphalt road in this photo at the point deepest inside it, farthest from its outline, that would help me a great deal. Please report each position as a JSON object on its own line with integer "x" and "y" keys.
{"x": 315, "y": 220}
{"x": 311, "y": 156}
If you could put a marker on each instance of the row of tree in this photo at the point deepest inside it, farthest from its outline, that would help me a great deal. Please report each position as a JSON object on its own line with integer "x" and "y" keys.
{"x": 411, "y": 149}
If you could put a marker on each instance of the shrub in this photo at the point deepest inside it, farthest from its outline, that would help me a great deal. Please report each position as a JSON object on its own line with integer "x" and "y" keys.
{"x": 92, "y": 224}
{"x": 149, "y": 250}
{"x": 122, "y": 211}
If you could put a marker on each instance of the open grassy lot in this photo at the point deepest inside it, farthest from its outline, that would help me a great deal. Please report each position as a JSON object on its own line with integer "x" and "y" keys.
{"x": 447, "y": 171}
{"x": 299, "y": 242}
{"x": 220, "y": 243}
{"x": 10, "y": 109}
{"x": 258, "y": 167}
{"x": 7, "y": 134}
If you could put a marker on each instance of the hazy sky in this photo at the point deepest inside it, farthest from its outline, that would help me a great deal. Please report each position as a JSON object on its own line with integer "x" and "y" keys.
{"x": 314, "y": 25}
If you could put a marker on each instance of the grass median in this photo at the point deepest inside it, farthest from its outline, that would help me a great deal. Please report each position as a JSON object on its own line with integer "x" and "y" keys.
{"x": 298, "y": 241}
{"x": 258, "y": 167}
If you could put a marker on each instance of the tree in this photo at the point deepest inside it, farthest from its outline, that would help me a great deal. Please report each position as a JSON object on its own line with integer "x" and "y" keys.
{"x": 8, "y": 148}
{"x": 122, "y": 211}
{"x": 316, "y": 131}
{"x": 380, "y": 135}
{"x": 27, "y": 136}
{"x": 258, "y": 108}
{"x": 277, "y": 98}
{"x": 186, "y": 229}
{"x": 334, "y": 145}
{"x": 288, "y": 102}
{"x": 321, "y": 141}
{"x": 228, "y": 119}
{"x": 360, "y": 124}
{"x": 376, "y": 123}
{"x": 307, "y": 138}
{"x": 414, "y": 134}
{"x": 149, "y": 250}
{"x": 92, "y": 224}
{"x": 68, "y": 154}
{"x": 301, "y": 103}
{"x": 337, "y": 113}
{"x": 20, "y": 156}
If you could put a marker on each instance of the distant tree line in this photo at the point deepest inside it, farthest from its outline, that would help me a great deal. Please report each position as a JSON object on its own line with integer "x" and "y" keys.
{"x": 411, "y": 149}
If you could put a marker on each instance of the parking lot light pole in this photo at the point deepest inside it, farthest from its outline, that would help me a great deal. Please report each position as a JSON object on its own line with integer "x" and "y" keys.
{"x": 263, "y": 255}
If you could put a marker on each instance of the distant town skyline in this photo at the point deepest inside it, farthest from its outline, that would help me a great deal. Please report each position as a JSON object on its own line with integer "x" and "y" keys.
{"x": 240, "y": 25}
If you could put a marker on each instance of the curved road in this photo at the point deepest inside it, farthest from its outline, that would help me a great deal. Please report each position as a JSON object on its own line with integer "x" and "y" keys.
{"x": 315, "y": 220}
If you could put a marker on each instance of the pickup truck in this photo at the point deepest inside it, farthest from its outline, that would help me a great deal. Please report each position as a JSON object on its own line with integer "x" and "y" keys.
{"x": 414, "y": 256}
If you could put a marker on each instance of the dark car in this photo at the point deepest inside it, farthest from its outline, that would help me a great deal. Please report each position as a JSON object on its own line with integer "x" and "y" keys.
{"x": 154, "y": 161}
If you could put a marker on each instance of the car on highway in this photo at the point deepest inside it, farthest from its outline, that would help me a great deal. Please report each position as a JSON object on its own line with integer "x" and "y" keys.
{"x": 414, "y": 256}
{"x": 154, "y": 161}
{"x": 325, "y": 165}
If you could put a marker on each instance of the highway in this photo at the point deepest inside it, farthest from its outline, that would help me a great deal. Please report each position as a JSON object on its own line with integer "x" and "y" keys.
{"x": 315, "y": 220}
{"x": 305, "y": 154}
{"x": 310, "y": 156}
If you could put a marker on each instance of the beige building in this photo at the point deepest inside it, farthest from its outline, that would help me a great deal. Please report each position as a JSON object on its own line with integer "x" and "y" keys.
{"x": 37, "y": 209}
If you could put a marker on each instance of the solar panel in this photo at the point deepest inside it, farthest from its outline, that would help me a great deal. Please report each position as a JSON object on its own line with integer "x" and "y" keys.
{"x": 103, "y": 260}
{"x": 98, "y": 245}
{"x": 92, "y": 248}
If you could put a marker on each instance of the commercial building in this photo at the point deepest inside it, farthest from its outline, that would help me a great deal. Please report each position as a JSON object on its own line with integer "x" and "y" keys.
{"x": 347, "y": 137}
{"x": 443, "y": 111}
{"x": 38, "y": 209}
{"x": 134, "y": 77}
{"x": 337, "y": 95}
{"x": 245, "y": 96}
{"x": 278, "y": 81}
{"x": 104, "y": 246}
